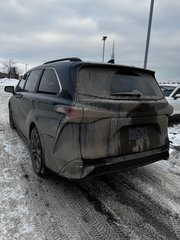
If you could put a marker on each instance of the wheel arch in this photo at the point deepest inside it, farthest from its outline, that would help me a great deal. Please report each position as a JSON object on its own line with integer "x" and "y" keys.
{"x": 32, "y": 125}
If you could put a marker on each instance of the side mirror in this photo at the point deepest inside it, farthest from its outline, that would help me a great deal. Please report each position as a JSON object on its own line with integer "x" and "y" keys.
{"x": 9, "y": 89}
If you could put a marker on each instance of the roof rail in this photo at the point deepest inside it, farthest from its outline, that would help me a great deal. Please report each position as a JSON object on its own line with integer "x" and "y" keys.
{"x": 71, "y": 59}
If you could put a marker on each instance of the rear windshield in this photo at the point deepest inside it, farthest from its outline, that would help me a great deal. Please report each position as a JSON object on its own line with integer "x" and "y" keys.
{"x": 167, "y": 90}
{"x": 117, "y": 84}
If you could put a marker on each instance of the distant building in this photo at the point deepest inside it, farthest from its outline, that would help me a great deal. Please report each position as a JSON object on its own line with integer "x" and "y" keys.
{"x": 9, "y": 75}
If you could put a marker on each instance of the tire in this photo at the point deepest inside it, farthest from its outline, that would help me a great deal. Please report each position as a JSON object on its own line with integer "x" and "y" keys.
{"x": 11, "y": 121}
{"x": 36, "y": 153}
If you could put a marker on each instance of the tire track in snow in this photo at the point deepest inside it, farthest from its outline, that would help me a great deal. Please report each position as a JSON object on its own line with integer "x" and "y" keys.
{"x": 175, "y": 219}
{"x": 146, "y": 202}
{"x": 86, "y": 218}
{"x": 124, "y": 217}
{"x": 41, "y": 209}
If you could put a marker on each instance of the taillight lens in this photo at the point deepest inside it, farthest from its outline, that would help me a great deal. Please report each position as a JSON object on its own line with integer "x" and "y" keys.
{"x": 71, "y": 112}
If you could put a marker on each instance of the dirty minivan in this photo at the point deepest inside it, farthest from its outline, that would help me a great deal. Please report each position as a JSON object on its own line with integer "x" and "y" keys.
{"x": 83, "y": 119}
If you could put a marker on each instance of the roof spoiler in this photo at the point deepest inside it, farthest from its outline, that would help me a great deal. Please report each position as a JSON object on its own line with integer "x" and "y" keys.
{"x": 71, "y": 59}
{"x": 111, "y": 61}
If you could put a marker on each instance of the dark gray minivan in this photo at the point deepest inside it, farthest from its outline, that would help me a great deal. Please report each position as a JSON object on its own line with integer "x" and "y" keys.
{"x": 86, "y": 119}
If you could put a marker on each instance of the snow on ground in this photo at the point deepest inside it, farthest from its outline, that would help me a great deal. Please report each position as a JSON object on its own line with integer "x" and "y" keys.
{"x": 142, "y": 203}
{"x": 174, "y": 134}
{"x": 8, "y": 82}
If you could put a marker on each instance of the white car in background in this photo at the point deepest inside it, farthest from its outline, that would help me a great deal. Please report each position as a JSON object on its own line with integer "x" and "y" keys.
{"x": 172, "y": 94}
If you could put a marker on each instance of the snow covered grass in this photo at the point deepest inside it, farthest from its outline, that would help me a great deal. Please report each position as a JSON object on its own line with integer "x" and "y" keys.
{"x": 8, "y": 82}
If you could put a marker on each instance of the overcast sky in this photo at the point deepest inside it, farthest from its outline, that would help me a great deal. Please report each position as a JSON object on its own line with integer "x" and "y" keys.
{"x": 34, "y": 31}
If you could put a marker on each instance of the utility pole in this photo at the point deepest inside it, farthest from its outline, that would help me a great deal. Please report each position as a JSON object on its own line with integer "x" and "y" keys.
{"x": 103, "y": 39}
{"x": 26, "y": 67}
{"x": 148, "y": 33}
{"x": 112, "y": 60}
{"x": 113, "y": 52}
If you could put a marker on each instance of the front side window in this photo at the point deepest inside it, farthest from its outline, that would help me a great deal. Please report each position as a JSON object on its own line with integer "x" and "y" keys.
{"x": 115, "y": 83}
{"x": 33, "y": 80}
{"x": 49, "y": 82}
{"x": 20, "y": 86}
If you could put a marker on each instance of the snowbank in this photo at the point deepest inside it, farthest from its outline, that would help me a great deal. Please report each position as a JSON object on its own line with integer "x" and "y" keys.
{"x": 174, "y": 135}
{"x": 8, "y": 82}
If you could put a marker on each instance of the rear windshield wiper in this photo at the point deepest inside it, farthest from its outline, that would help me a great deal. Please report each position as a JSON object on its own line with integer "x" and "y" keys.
{"x": 133, "y": 94}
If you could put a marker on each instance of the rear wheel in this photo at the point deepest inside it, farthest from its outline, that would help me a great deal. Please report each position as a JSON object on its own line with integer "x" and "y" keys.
{"x": 36, "y": 152}
{"x": 11, "y": 121}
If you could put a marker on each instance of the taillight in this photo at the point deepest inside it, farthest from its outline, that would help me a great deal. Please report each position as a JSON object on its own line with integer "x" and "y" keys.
{"x": 71, "y": 112}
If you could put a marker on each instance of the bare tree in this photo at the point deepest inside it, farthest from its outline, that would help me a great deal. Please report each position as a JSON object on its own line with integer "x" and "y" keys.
{"x": 8, "y": 66}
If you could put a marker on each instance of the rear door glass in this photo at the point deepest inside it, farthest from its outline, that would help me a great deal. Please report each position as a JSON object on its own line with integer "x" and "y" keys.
{"x": 117, "y": 84}
{"x": 49, "y": 82}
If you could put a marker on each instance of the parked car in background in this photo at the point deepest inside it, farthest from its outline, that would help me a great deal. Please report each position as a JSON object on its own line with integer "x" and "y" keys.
{"x": 86, "y": 119}
{"x": 172, "y": 94}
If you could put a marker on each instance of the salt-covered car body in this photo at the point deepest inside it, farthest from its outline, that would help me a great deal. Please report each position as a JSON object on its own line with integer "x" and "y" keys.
{"x": 85, "y": 119}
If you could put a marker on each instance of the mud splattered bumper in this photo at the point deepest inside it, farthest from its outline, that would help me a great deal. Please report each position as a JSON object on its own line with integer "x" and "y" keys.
{"x": 85, "y": 168}
{"x": 125, "y": 165}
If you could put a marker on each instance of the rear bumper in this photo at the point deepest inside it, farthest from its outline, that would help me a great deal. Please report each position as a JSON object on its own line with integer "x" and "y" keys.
{"x": 135, "y": 163}
{"x": 85, "y": 168}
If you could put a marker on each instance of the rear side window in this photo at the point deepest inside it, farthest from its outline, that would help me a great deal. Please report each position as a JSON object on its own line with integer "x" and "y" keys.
{"x": 117, "y": 84}
{"x": 33, "y": 80}
{"x": 49, "y": 82}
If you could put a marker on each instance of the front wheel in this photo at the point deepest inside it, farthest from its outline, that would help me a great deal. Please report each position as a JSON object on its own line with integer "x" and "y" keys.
{"x": 36, "y": 152}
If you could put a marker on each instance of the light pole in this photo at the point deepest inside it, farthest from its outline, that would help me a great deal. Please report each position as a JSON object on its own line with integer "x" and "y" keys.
{"x": 103, "y": 39}
{"x": 26, "y": 67}
{"x": 148, "y": 33}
